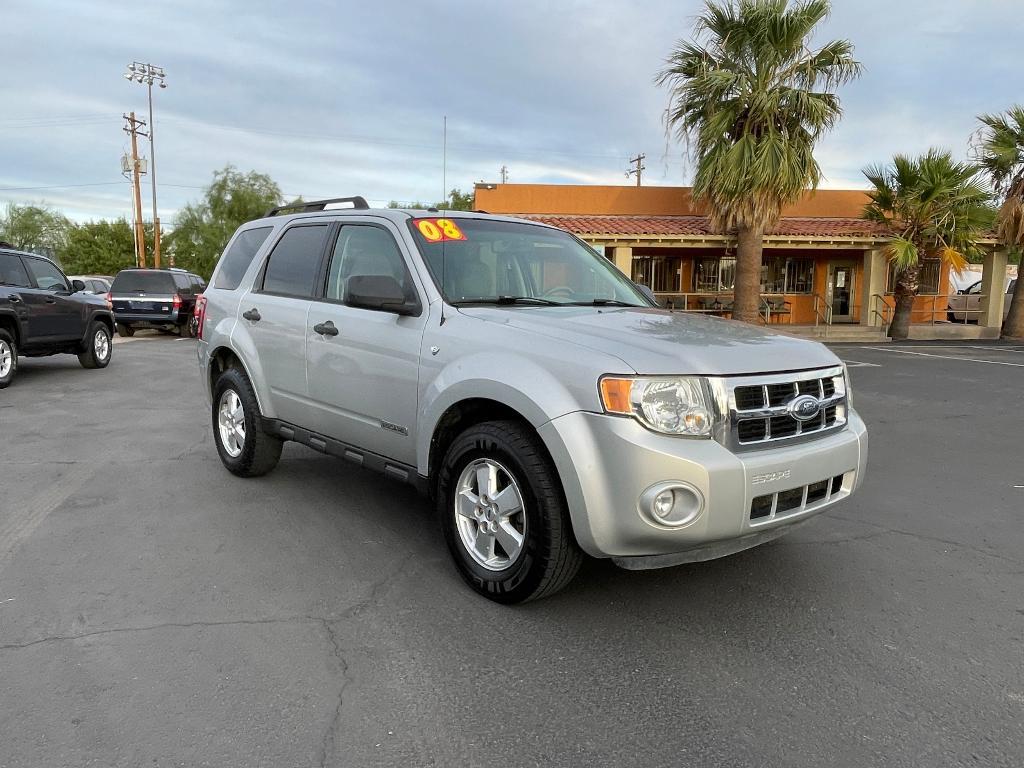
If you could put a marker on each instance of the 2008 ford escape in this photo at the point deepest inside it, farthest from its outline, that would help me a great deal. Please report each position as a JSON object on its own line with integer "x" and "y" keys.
{"x": 521, "y": 380}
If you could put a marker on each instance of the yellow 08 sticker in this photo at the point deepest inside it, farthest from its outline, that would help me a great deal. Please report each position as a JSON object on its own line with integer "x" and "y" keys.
{"x": 439, "y": 230}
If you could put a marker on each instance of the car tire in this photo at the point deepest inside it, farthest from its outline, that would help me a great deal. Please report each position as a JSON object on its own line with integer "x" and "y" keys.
{"x": 249, "y": 452}
{"x": 193, "y": 327}
{"x": 8, "y": 359}
{"x": 125, "y": 331}
{"x": 98, "y": 346}
{"x": 483, "y": 536}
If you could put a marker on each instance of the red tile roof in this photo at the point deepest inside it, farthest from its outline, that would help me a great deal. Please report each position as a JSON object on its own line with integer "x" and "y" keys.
{"x": 689, "y": 226}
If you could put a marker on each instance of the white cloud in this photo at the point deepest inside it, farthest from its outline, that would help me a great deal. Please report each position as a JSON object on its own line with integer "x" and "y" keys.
{"x": 331, "y": 98}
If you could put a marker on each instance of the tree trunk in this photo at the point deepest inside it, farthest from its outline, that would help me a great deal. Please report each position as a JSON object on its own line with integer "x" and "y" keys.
{"x": 907, "y": 283}
{"x": 1013, "y": 328}
{"x": 747, "y": 293}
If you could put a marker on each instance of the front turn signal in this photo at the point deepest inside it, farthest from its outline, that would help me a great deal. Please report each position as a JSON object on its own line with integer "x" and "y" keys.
{"x": 615, "y": 395}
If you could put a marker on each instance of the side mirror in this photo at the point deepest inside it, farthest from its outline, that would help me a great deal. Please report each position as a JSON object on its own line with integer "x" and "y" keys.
{"x": 648, "y": 293}
{"x": 380, "y": 292}
{"x": 77, "y": 285}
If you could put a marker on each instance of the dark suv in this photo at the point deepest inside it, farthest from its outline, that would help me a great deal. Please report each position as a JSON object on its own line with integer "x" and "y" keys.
{"x": 155, "y": 298}
{"x": 42, "y": 312}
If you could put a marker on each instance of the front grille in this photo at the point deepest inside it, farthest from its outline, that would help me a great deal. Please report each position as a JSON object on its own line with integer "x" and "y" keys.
{"x": 761, "y": 409}
{"x": 794, "y": 500}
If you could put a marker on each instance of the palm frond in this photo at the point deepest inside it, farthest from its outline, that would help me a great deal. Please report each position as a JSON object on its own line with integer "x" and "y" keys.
{"x": 750, "y": 98}
{"x": 940, "y": 206}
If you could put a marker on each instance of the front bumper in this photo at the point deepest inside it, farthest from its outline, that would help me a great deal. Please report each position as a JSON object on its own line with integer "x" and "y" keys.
{"x": 607, "y": 462}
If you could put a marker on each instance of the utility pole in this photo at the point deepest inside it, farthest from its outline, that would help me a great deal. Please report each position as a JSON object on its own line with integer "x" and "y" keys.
{"x": 132, "y": 127}
{"x": 504, "y": 174}
{"x": 149, "y": 74}
{"x": 640, "y": 167}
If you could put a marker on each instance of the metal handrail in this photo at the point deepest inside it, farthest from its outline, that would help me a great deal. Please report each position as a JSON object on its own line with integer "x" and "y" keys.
{"x": 883, "y": 316}
{"x": 888, "y": 310}
{"x": 825, "y": 315}
{"x": 721, "y": 303}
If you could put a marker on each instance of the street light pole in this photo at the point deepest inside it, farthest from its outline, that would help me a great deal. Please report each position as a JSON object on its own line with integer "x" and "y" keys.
{"x": 148, "y": 74}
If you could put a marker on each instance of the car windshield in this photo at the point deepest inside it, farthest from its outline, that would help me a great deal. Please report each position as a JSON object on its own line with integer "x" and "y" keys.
{"x": 132, "y": 281}
{"x": 483, "y": 261}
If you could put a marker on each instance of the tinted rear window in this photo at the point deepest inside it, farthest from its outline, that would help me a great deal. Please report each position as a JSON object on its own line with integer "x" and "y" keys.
{"x": 12, "y": 271}
{"x": 183, "y": 283}
{"x": 238, "y": 257}
{"x": 295, "y": 260}
{"x": 148, "y": 282}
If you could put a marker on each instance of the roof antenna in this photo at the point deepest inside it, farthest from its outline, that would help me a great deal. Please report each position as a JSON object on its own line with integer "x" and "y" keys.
{"x": 444, "y": 199}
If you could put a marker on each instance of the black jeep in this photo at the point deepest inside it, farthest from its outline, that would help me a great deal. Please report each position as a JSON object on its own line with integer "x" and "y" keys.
{"x": 44, "y": 313}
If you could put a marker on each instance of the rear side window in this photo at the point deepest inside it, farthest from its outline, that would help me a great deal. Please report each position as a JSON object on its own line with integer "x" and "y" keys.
{"x": 183, "y": 284}
{"x": 12, "y": 271}
{"x": 295, "y": 260}
{"x": 131, "y": 281}
{"x": 238, "y": 257}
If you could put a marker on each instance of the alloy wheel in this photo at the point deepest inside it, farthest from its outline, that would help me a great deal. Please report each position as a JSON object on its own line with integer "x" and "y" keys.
{"x": 6, "y": 358}
{"x": 490, "y": 515}
{"x": 101, "y": 345}
{"x": 231, "y": 423}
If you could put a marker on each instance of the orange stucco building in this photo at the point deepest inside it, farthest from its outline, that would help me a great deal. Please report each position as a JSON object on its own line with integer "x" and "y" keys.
{"x": 823, "y": 263}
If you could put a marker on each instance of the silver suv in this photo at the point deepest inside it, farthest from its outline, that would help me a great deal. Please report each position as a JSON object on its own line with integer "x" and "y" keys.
{"x": 517, "y": 377}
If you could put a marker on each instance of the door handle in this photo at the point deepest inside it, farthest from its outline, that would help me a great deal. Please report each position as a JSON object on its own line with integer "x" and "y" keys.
{"x": 326, "y": 329}
{"x": 13, "y": 299}
{"x": 252, "y": 314}
{"x": 51, "y": 301}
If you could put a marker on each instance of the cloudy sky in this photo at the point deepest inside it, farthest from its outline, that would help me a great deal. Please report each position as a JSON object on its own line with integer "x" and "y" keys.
{"x": 339, "y": 98}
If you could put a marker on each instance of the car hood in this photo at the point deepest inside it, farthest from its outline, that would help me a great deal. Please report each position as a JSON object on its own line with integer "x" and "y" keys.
{"x": 658, "y": 341}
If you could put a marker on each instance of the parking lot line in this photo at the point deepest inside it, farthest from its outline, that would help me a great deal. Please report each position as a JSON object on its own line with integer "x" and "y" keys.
{"x": 859, "y": 364}
{"x": 946, "y": 357}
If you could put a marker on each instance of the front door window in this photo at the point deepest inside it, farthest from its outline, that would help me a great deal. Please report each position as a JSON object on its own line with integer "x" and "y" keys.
{"x": 840, "y": 285}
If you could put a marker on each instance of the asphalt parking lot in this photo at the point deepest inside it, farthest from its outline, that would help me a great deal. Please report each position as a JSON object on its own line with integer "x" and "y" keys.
{"x": 156, "y": 610}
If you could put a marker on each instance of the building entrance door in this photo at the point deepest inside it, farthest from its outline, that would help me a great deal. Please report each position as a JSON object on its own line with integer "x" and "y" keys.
{"x": 840, "y": 291}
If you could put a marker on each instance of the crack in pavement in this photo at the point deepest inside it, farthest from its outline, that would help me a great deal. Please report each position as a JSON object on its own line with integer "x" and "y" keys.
{"x": 327, "y": 743}
{"x": 166, "y": 625}
{"x": 193, "y": 447}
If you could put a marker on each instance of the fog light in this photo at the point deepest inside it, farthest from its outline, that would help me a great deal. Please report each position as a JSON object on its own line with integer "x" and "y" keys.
{"x": 663, "y": 503}
{"x": 671, "y": 504}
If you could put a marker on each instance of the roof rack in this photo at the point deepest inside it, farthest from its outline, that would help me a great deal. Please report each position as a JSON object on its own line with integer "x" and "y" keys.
{"x": 319, "y": 205}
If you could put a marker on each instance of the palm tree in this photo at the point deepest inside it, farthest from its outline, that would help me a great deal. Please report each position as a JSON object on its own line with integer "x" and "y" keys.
{"x": 936, "y": 208}
{"x": 750, "y": 98}
{"x": 1000, "y": 151}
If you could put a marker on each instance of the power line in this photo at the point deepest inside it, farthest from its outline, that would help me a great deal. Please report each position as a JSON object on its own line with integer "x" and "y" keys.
{"x": 357, "y": 139}
{"x": 63, "y": 186}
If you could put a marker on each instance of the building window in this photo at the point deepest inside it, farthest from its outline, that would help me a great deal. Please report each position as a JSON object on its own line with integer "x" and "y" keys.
{"x": 662, "y": 274}
{"x": 931, "y": 271}
{"x": 713, "y": 275}
{"x": 782, "y": 274}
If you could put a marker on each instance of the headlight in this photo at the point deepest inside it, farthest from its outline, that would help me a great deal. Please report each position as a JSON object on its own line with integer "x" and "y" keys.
{"x": 674, "y": 405}
{"x": 846, "y": 383}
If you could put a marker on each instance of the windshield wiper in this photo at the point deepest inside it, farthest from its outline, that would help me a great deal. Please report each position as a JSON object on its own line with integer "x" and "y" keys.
{"x": 509, "y": 300}
{"x": 602, "y": 303}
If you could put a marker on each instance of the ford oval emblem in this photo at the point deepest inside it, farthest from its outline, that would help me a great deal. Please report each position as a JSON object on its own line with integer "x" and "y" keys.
{"x": 804, "y": 407}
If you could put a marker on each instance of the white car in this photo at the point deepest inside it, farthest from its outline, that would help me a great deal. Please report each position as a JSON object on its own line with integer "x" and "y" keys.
{"x": 965, "y": 304}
